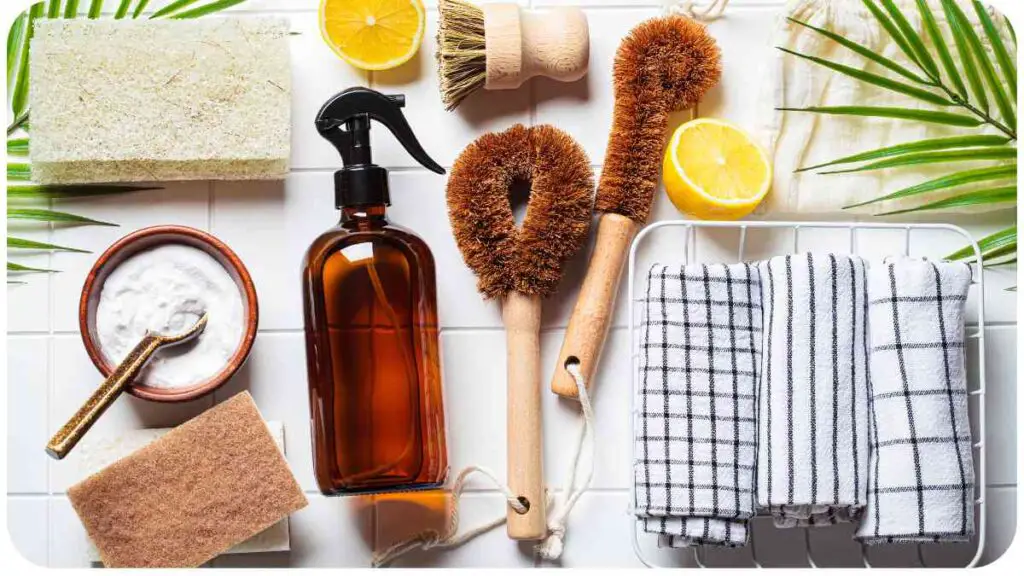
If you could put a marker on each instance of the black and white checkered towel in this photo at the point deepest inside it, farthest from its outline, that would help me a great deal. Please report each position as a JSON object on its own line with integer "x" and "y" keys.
{"x": 697, "y": 435}
{"x": 921, "y": 468}
{"x": 813, "y": 406}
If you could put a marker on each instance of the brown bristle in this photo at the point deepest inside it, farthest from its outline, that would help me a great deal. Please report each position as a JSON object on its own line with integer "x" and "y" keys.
{"x": 461, "y": 59}
{"x": 505, "y": 258}
{"x": 664, "y": 65}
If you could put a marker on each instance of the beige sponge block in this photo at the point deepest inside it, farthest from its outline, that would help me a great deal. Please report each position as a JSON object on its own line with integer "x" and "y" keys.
{"x": 133, "y": 100}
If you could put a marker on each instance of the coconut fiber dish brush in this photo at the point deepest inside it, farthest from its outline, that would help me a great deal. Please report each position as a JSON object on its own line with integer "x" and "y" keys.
{"x": 498, "y": 47}
{"x": 521, "y": 266}
{"x": 663, "y": 65}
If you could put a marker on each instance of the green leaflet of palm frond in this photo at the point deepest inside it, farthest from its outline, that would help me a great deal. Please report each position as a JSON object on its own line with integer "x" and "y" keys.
{"x": 36, "y": 191}
{"x": 20, "y": 122}
{"x": 917, "y": 146}
{"x": 210, "y": 8}
{"x": 936, "y": 157}
{"x": 17, "y": 146}
{"x": 948, "y": 181}
{"x": 95, "y": 9}
{"x": 913, "y": 38}
{"x": 43, "y": 215}
{"x": 15, "y": 40}
{"x": 875, "y": 79}
{"x": 931, "y": 116}
{"x": 19, "y": 172}
{"x": 893, "y": 31}
{"x": 173, "y": 7}
{"x": 1009, "y": 28}
{"x": 957, "y": 25}
{"x": 122, "y": 9}
{"x": 71, "y": 9}
{"x": 988, "y": 71}
{"x": 991, "y": 243}
{"x": 53, "y": 9}
{"x": 12, "y": 267}
{"x": 1006, "y": 64}
{"x": 23, "y": 244}
{"x": 986, "y": 197}
{"x": 865, "y": 52}
{"x": 140, "y": 8}
{"x": 932, "y": 28}
{"x": 19, "y": 92}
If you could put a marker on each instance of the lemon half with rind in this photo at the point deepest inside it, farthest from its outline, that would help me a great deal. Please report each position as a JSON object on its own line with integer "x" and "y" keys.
{"x": 373, "y": 34}
{"x": 714, "y": 171}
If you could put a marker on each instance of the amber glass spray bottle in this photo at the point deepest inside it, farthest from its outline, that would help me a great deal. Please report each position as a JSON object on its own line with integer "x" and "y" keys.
{"x": 371, "y": 321}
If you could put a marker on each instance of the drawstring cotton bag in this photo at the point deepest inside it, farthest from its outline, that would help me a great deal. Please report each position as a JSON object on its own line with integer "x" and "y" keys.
{"x": 800, "y": 139}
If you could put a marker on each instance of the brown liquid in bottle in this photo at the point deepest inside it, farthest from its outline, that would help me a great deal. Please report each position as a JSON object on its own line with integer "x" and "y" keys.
{"x": 372, "y": 358}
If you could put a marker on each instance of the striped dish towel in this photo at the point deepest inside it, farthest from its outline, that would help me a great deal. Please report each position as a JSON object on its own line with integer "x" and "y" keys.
{"x": 921, "y": 468}
{"x": 697, "y": 435}
{"x": 813, "y": 406}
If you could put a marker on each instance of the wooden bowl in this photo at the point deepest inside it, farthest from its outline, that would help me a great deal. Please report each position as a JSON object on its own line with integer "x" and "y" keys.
{"x": 149, "y": 238}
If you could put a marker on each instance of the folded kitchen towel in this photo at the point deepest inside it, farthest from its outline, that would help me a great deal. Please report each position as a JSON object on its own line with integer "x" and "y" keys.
{"x": 813, "y": 414}
{"x": 921, "y": 468}
{"x": 697, "y": 435}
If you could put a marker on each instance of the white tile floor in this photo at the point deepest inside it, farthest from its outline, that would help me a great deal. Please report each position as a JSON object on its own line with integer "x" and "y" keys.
{"x": 270, "y": 225}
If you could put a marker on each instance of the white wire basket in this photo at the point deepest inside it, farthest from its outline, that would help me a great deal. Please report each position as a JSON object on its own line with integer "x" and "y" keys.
{"x": 851, "y": 237}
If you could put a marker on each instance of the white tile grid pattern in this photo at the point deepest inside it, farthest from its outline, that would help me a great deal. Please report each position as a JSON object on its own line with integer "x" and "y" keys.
{"x": 270, "y": 225}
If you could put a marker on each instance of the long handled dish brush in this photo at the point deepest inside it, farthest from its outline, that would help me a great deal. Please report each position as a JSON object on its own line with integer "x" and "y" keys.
{"x": 520, "y": 266}
{"x": 664, "y": 65}
{"x": 498, "y": 47}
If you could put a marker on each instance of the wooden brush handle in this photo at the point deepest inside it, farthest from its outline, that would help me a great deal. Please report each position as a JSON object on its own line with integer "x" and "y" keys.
{"x": 523, "y": 44}
{"x": 588, "y": 326}
{"x": 521, "y": 315}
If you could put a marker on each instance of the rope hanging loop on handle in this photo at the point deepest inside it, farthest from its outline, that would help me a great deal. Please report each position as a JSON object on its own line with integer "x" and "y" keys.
{"x": 709, "y": 12}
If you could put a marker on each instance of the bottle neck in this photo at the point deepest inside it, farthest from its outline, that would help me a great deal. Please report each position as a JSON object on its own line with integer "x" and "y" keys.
{"x": 375, "y": 212}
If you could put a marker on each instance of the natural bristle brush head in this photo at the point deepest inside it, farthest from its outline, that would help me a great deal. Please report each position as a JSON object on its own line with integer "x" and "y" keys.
{"x": 664, "y": 65}
{"x": 527, "y": 259}
{"x": 461, "y": 55}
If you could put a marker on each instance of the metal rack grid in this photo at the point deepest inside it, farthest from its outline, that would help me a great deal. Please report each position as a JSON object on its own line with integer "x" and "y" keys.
{"x": 854, "y": 230}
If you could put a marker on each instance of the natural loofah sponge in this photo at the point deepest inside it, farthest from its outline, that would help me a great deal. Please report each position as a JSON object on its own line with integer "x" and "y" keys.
{"x": 153, "y": 100}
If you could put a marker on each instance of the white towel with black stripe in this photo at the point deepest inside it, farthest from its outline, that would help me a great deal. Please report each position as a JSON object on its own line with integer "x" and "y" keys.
{"x": 697, "y": 435}
{"x": 921, "y": 469}
{"x": 813, "y": 407}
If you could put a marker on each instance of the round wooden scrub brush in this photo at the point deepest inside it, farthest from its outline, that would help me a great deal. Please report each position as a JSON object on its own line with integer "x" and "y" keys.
{"x": 521, "y": 266}
{"x": 498, "y": 47}
{"x": 664, "y": 65}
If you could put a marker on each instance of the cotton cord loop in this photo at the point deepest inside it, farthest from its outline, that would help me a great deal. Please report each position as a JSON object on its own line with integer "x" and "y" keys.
{"x": 552, "y": 546}
{"x": 709, "y": 12}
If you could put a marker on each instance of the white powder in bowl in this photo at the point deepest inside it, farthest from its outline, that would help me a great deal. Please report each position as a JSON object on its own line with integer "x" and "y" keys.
{"x": 165, "y": 290}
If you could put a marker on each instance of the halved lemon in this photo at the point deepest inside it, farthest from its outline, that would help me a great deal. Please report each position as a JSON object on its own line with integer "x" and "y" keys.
{"x": 373, "y": 34}
{"x": 714, "y": 171}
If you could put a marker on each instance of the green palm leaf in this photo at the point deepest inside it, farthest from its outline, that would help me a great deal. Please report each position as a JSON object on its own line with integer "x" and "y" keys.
{"x": 17, "y": 146}
{"x": 53, "y": 9}
{"x": 898, "y": 113}
{"x": 23, "y": 244}
{"x": 42, "y": 215}
{"x": 957, "y": 25}
{"x": 1009, "y": 28}
{"x": 917, "y": 146}
{"x": 140, "y": 8}
{"x": 15, "y": 41}
{"x": 173, "y": 7}
{"x": 932, "y": 27}
{"x": 71, "y": 9}
{"x": 988, "y": 196}
{"x": 19, "y": 172}
{"x": 210, "y": 8}
{"x": 875, "y": 79}
{"x": 95, "y": 9}
{"x": 997, "y": 242}
{"x": 36, "y": 191}
{"x": 865, "y": 52}
{"x": 12, "y": 267}
{"x": 948, "y": 181}
{"x": 893, "y": 31}
{"x": 916, "y": 44}
{"x": 989, "y": 73}
{"x": 19, "y": 92}
{"x": 20, "y": 122}
{"x": 122, "y": 9}
{"x": 1006, "y": 64}
{"x": 936, "y": 157}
